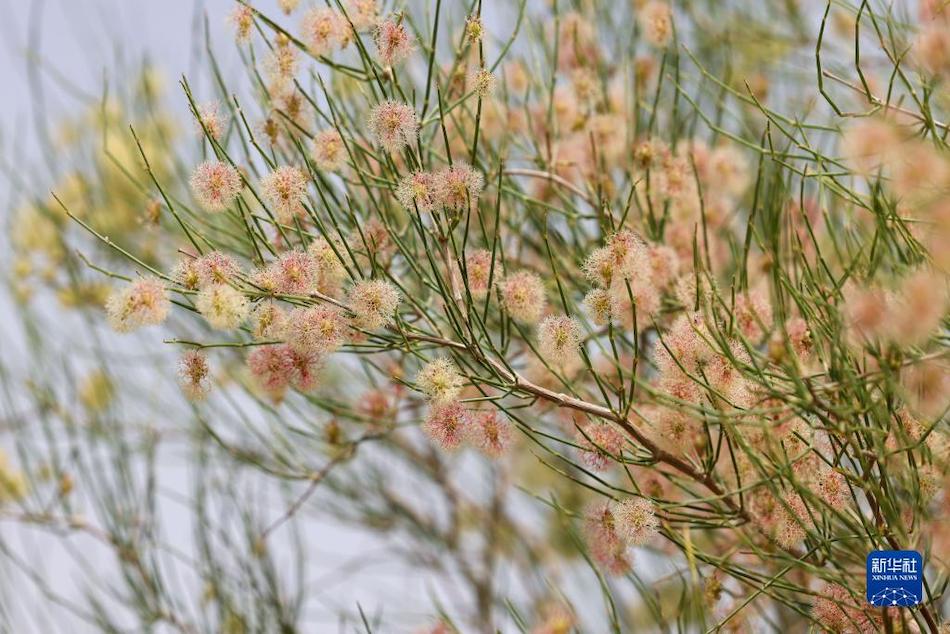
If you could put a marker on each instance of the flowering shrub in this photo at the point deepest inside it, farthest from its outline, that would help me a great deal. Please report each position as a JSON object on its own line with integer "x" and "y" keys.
{"x": 632, "y": 300}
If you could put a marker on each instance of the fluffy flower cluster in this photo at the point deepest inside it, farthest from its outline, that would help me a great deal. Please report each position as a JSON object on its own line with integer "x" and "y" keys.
{"x": 454, "y": 188}
{"x": 214, "y": 267}
{"x": 448, "y": 422}
{"x": 907, "y": 315}
{"x": 635, "y": 519}
{"x": 482, "y": 272}
{"x": 194, "y": 375}
{"x": 223, "y": 306}
{"x": 144, "y": 302}
{"x": 373, "y": 303}
{"x": 522, "y": 295}
{"x": 393, "y": 125}
{"x": 324, "y": 31}
{"x": 559, "y": 339}
{"x": 440, "y": 381}
{"x": 275, "y": 368}
{"x": 215, "y": 185}
{"x": 606, "y": 546}
{"x": 285, "y": 190}
{"x": 316, "y": 330}
{"x": 630, "y": 275}
{"x": 451, "y": 425}
{"x": 393, "y": 42}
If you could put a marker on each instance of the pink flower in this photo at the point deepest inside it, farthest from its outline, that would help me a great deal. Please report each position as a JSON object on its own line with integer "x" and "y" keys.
{"x": 597, "y": 303}
{"x": 753, "y": 315}
{"x": 447, "y": 424}
{"x": 664, "y": 265}
{"x": 223, "y": 306}
{"x": 305, "y": 370}
{"x": 215, "y": 268}
{"x": 490, "y": 434}
{"x": 392, "y": 42}
{"x": 284, "y": 190}
{"x": 440, "y": 380}
{"x": 393, "y": 125}
{"x": 603, "y": 542}
{"x": 280, "y": 67}
{"x": 605, "y": 442}
{"x": 185, "y": 273}
{"x": 482, "y": 83}
{"x": 656, "y": 20}
{"x": 362, "y": 13}
{"x": 317, "y": 329}
{"x": 330, "y": 270}
{"x": 194, "y": 375}
{"x": 417, "y": 191}
{"x": 324, "y": 30}
{"x": 210, "y": 119}
{"x": 633, "y": 297}
{"x": 372, "y": 239}
{"x": 270, "y": 320}
{"x": 272, "y": 368}
{"x": 374, "y": 303}
{"x": 296, "y": 273}
{"x": 478, "y": 269}
{"x": 458, "y": 187}
{"x": 215, "y": 185}
{"x": 277, "y": 367}
{"x": 242, "y": 18}
{"x": 635, "y": 520}
{"x": 837, "y": 611}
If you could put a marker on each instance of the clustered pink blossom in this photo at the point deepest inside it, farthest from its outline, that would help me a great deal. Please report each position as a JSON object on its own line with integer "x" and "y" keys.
{"x": 276, "y": 368}
{"x": 294, "y": 273}
{"x": 318, "y": 329}
{"x": 194, "y": 375}
{"x": 210, "y": 120}
{"x": 330, "y": 271}
{"x": 324, "y": 31}
{"x": 215, "y": 185}
{"x": 635, "y": 520}
{"x": 215, "y": 268}
{"x": 393, "y": 125}
{"x": 269, "y": 320}
{"x": 447, "y": 424}
{"x": 605, "y": 545}
{"x": 600, "y": 444}
{"x": 417, "y": 191}
{"x": 490, "y": 433}
{"x": 457, "y": 187}
{"x": 242, "y": 19}
{"x": 482, "y": 272}
{"x": 836, "y": 610}
{"x": 373, "y": 303}
{"x": 393, "y": 42}
{"x": 285, "y": 190}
